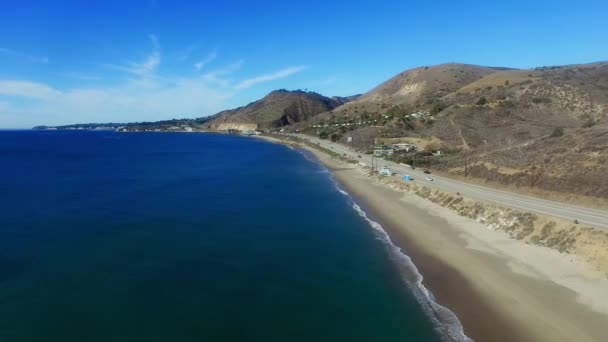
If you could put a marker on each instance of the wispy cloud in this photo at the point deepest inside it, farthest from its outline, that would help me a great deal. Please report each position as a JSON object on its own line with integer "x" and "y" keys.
{"x": 223, "y": 76}
{"x": 147, "y": 66}
{"x": 28, "y": 89}
{"x": 148, "y": 94}
{"x": 28, "y": 57}
{"x": 202, "y": 63}
{"x": 248, "y": 83}
{"x": 81, "y": 76}
{"x": 129, "y": 101}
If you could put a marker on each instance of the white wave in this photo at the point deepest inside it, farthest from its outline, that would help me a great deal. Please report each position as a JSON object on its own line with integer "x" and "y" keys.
{"x": 340, "y": 190}
{"x": 443, "y": 318}
{"x": 447, "y": 322}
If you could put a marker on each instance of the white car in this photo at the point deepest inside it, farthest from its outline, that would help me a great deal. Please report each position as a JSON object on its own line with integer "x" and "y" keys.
{"x": 430, "y": 179}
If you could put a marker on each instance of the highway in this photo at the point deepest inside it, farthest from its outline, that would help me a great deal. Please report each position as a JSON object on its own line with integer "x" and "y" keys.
{"x": 586, "y": 216}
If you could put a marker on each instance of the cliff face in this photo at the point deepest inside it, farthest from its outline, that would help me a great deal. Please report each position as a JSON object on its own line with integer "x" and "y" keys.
{"x": 277, "y": 109}
{"x": 589, "y": 244}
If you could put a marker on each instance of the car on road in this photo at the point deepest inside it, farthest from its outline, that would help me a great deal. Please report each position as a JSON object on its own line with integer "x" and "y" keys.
{"x": 430, "y": 179}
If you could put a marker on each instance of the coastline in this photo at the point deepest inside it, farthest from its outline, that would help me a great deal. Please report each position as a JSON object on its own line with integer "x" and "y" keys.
{"x": 471, "y": 270}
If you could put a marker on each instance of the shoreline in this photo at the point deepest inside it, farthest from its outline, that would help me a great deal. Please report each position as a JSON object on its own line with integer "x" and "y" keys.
{"x": 447, "y": 286}
{"x": 495, "y": 296}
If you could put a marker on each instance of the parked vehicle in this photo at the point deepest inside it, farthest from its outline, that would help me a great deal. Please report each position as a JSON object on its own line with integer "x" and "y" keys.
{"x": 385, "y": 171}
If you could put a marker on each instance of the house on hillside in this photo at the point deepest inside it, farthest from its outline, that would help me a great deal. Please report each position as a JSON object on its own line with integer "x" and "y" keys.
{"x": 403, "y": 147}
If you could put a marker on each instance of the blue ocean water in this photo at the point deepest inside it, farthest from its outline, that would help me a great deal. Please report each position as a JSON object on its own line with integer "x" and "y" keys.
{"x": 110, "y": 236}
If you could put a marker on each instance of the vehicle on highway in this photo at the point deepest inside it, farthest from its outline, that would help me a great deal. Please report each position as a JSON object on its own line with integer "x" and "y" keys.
{"x": 385, "y": 171}
{"x": 430, "y": 179}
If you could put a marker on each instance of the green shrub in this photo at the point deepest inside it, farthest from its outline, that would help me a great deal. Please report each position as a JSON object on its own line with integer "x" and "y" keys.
{"x": 482, "y": 101}
{"x": 557, "y": 132}
{"x": 589, "y": 123}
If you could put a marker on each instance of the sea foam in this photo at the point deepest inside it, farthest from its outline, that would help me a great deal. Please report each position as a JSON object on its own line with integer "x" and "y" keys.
{"x": 445, "y": 320}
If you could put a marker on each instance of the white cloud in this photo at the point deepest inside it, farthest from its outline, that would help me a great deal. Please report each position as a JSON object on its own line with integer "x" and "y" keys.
{"x": 28, "y": 57}
{"x": 223, "y": 76}
{"x": 81, "y": 76}
{"x": 149, "y": 95}
{"x": 147, "y": 66}
{"x": 130, "y": 101}
{"x": 202, "y": 63}
{"x": 248, "y": 83}
{"x": 27, "y": 89}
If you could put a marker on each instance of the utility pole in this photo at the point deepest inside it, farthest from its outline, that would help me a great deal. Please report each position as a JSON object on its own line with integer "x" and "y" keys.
{"x": 372, "y": 162}
{"x": 466, "y": 164}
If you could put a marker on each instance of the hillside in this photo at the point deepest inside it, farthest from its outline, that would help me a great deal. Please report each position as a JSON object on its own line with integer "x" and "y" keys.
{"x": 277, "y": 109}
{"x": 543, "y": 128}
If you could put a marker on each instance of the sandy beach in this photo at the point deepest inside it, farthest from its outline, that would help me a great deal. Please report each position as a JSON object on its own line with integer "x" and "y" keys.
{"x": 501, "y": 289}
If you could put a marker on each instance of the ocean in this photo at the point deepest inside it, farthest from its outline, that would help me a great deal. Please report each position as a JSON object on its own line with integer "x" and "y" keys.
{"x": 109, "y": 236}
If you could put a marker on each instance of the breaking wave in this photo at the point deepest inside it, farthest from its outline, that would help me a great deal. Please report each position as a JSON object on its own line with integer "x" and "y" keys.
{"x": 445, "y": 321}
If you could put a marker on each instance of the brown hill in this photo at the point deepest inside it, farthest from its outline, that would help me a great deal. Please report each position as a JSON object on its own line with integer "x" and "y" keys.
{"x": 416, "y": 84}
{"x": 542, "y": 128}
{"x": 279, "y": 108}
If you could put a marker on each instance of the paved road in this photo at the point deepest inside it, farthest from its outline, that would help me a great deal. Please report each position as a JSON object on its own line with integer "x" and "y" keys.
{"x": 594, "y": 217}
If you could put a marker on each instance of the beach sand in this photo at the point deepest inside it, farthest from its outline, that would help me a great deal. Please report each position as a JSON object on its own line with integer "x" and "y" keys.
{"x": 500, "y": 289}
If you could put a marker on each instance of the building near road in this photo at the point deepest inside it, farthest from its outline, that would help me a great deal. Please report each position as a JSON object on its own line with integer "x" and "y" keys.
{"x": 387, "y": 150}
{"x": 380, "y": 152}
{"x": 403, "y": 147}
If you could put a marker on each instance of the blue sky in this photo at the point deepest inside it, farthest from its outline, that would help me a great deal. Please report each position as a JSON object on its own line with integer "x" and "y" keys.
{"x": 106, "y": 61}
